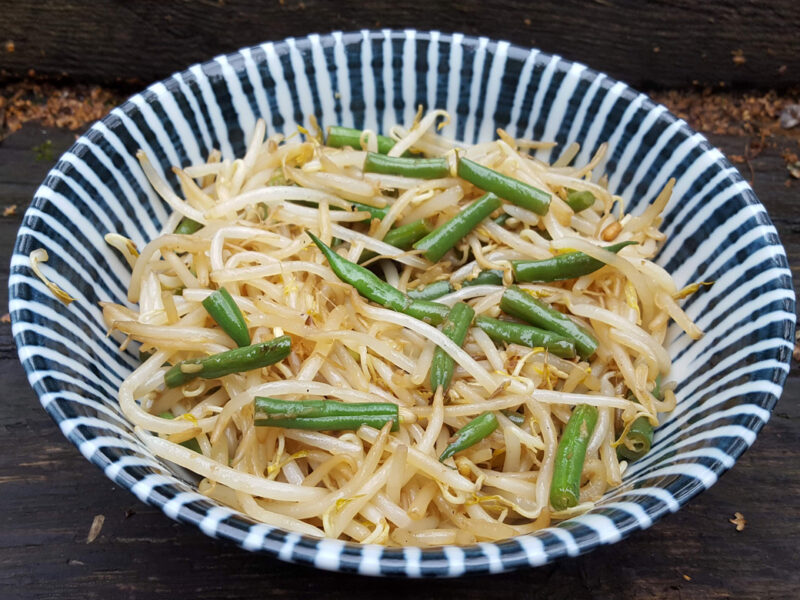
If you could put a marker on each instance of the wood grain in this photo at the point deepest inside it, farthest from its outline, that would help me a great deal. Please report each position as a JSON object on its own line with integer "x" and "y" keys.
{"x": 50, "y": 495}
{"x": 656, "y": 43}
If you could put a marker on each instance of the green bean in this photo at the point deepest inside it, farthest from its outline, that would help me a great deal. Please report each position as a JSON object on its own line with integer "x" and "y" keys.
{"x": 432, "y": 313}
{"x": 514, "y": 417}
{"x": 579, "y": 200}
{"x": 374, "y": 212}
{"x": 639, "y": 438}
{"x": 508, "y": 188}
{"x": 230, "y": 361}
{"x": 191, "y": 444}
{"x": 437, "y": 289}
{"x": 470, "y": 434}
{"x": 419, "y": 168}
{"x": 401, "y": 237}
{"x": 339, "y": 137}
{"x": 455, "y": 327}
{"x": 405, "y": 236}
{"x": 434, "y": 290}
{"x": 224, "y": 310}
{"x": 371, "y": 287}
{"x": 565, "y": 487}
{"x": 561, "y": 267}
{"x": 324, "y": 415}
{"x": 518, "y": 303}
{"x": 188, "y": 226}
{"x": 440, "y": 240}
{"x": 501, "y": 220}
{"x": 526, "y": 335}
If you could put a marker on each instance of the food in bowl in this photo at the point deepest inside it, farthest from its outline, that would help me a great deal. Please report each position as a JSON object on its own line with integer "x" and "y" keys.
{"x": 401, "y": 340}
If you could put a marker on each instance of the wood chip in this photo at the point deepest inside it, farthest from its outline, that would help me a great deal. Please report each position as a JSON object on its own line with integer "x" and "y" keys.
{"x": 738, "y": 520}
{"x": 6, "y": 318}
{"x": 94, "y": 530}
{"x": 686, "y": 577}
{"x": 10, "y": 210}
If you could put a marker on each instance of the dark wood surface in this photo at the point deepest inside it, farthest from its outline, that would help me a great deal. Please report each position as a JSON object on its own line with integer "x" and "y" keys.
{"x": 50, "y": 495}
{"x": 659, "y": 42}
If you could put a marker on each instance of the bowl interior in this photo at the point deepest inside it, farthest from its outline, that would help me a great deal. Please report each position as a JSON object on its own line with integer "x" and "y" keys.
{"x": 727, "y": 382}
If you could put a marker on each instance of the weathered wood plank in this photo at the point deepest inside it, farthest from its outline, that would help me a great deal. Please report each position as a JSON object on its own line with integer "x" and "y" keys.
{"x": 660, "y": 43}
{"x": 49, "y": 495}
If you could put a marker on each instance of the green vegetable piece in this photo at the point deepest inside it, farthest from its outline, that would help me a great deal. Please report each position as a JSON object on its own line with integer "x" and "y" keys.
{"x": 375, "y": 212}
{"x": 339, "y": 137}
{"x": 470, "y": 434}
{"x": 440, "y": 240}
{"x": 191, "y": 444}
{"x": 518, "y": 303}
{"x": 508, "y": 188}
{"x": 434, "y": 290}
{"x": 324, "y": 415}
{"x": 639, "y": 438}
{"x": 455, "y": 327}
{"x": 501, "y": 220}
{"x": 405, "y": 236}
{"x": 371, "y": 287}
{"x": 513, "y": 416}
{"x": 561, "y": 267}
{"x": 526, "y": 335}
{"x": 225, "y": 312}
{"x": 237, "y": 360}
{"x": 419, "y": 168}
{"x": 579, "y": 200}
{"x": 565, "y": 487}
{"x": 437, "y": 289}
{"x": 188, "y": 226}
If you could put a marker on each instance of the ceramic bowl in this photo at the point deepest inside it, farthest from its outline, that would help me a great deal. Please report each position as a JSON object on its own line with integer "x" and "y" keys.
{"x": 727, "y": 382}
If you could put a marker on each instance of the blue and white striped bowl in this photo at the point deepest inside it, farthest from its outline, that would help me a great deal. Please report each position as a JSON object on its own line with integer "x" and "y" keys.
{"x": 728, "y": 382}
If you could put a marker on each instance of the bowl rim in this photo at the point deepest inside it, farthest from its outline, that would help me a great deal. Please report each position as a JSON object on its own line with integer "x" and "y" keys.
{"x": 485, "y": 557}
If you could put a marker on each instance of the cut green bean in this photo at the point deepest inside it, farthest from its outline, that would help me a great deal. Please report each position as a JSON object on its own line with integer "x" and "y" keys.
{"x": 375, "y": 212}
{"x": 432, "y": 313}
{"x": 526, "y": 335}
{"x": 455, "y": 327}
{"x": 579, "y": 200}
{"x": 405, "y": 236}
{"x": 518, "y": 303}
{"x": 513, "y": 416}
{"x": 191, "y": 444}
{"x": 501, "y": 220}
{"x": 237, "y": 360}
{"x": 339, "y": 137}
{"x": 440, "y": 240}
{"x": 508, "y": 188}
{"x": 434, "y": 290}
{"x": 437, "y": 289}
{"x": 224, "y": 310}
{"x": 564, "y": 266}
{"x": 418, "y": 168}
{"x": 402, "y": 237}
{"x": 371, "y": 287}
{"x": 470, "y": 434}
{"x": 565, "y": 487}
{"x": 324, "y": 415}
{"x": 638, "y": 440}
{"x": 188, "y": 226}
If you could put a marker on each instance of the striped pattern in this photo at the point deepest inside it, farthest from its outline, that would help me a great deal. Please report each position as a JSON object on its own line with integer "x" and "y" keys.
{"x": 728, "y": 382}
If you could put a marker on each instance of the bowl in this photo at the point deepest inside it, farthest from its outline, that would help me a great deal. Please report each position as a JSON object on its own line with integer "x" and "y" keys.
{"x": 727, "y": 382}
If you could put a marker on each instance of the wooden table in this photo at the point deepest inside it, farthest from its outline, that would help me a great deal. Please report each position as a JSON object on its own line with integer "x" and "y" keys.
{"x": 50, "y": 495}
